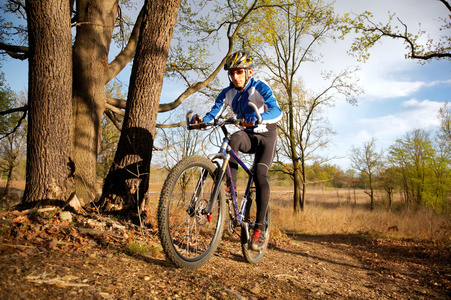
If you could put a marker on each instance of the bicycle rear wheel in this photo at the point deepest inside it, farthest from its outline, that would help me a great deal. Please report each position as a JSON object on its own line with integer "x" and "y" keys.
{"x": 188, "y": 235}
{"x": 253, "y": 256}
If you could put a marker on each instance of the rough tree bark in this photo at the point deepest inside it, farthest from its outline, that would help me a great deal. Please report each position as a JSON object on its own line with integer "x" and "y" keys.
{"x": 49, "y": 155}
{"x": 128, "y": 179}
{"x": 95, "y": 21}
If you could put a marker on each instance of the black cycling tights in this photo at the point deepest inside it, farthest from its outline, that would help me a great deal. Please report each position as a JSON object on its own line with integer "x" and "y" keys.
{"x": 264, "y": 146}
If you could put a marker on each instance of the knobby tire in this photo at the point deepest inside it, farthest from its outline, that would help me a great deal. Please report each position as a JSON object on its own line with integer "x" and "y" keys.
{"x": 189, "y": 237}
{"x": 253, "y": 256}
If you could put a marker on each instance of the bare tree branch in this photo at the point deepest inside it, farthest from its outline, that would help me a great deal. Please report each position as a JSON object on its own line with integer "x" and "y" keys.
{"x": 114, "y": 109}
{"x": 118, "y": 103}
{"x": 446, "y": 3}
{"x": 231, "y": 34}
{"x": 18, "y": 52}
{"x": 113, "y": 119}
{"x": 13, "y": 110}
{"x": 413, "y": 48}
{"x": 17, "y": 125}
{"x": 373, "y": 32}
{"x": 171, "y": 125}
{"x": 126, "y": 55}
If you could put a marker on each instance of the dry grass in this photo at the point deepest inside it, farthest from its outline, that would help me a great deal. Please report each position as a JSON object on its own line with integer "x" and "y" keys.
{"x": 336, "y": 212}
{"x": 330, "y": 211}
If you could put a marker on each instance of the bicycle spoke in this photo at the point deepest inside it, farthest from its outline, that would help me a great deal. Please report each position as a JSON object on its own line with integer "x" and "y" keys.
{"x": 188, "y": 236}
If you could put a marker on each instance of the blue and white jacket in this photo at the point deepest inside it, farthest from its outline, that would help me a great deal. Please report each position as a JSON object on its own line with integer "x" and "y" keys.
{"x": 257, "y": 92}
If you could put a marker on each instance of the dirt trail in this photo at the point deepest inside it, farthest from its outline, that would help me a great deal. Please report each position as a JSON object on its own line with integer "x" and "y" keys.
{"x": 42, "y": 257}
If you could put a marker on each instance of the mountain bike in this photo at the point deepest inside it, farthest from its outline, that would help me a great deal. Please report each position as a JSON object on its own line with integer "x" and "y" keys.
{"x": 193, "y": 203}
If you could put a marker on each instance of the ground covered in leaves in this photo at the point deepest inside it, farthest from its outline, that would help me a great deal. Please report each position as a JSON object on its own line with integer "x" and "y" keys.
{"x": 48, "y": 255}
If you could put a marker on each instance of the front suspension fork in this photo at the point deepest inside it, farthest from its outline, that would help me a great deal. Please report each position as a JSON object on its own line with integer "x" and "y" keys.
{"x": 214, "y": 196}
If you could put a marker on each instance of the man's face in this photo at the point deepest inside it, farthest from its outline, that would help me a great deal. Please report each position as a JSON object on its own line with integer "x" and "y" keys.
{"x": 238, "y": 77}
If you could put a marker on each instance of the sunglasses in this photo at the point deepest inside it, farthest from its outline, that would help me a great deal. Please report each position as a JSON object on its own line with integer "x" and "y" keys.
{"x": 237, "y": 72}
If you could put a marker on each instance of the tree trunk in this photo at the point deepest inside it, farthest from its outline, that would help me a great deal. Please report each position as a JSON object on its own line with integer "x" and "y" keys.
{"x": 372, "y": 198}
{"x": 298, "y": 196}
{"x": 11, "y": 163}
{"x": 49, "y": 154}
{"x": 371, "y": 193}
{"x": 128, "y": 179}
{"x": 8, "y": 181}
{"x": 94, "y": 32}
{"x": 390, "y": 198}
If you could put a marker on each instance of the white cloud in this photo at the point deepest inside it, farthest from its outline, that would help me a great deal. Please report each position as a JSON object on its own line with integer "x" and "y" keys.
{"x": 385, "y": 86}
{"x": 413, "y": 114}
{"x": 354, "y": 129}
{"x": 420, "y": 114}
{"x": 380, "y": 88}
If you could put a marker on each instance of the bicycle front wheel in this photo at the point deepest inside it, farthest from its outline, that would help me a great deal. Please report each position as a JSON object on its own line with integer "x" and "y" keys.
{"x": 189, "y": 236}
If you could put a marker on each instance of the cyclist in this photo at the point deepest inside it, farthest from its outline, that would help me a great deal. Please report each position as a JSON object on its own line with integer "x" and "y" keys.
{"x": 254, "y": 138}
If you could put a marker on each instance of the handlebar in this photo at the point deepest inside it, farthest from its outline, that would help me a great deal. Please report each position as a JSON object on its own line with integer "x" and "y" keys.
{"x": 235, "y": 121}
{"x": 203, "y": 125}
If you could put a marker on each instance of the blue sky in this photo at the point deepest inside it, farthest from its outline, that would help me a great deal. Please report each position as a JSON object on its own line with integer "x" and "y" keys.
{"x": 399, "y": 95}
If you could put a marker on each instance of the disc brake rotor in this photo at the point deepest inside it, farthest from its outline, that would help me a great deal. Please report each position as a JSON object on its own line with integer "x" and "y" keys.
{"x": 201, "y": 217}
